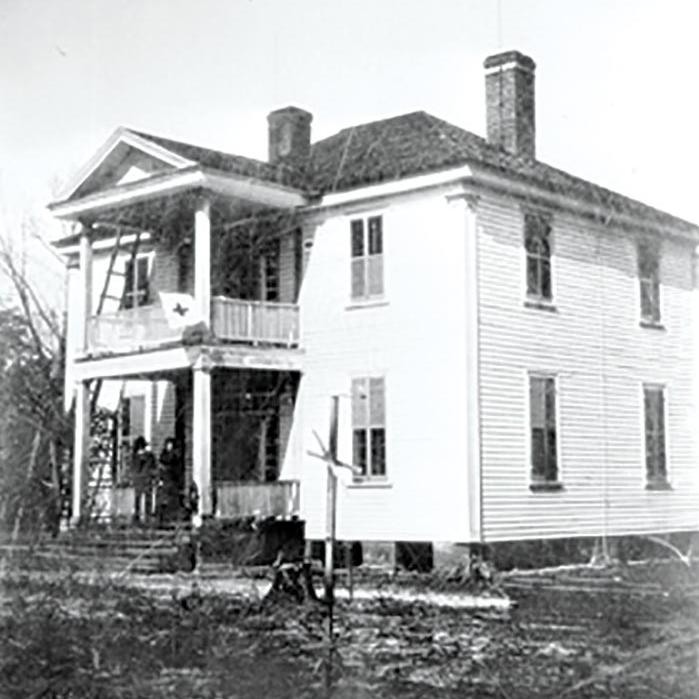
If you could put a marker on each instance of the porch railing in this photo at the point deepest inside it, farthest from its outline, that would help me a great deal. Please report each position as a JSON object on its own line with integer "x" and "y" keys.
{"x": 232, "y": 320}
{"x": 245, "y": 499}
{"x": 234, "y": 499}
{"x": 235, "y": 320}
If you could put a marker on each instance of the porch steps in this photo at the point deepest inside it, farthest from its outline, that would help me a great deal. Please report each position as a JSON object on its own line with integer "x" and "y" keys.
{"x": 108, "y": 550}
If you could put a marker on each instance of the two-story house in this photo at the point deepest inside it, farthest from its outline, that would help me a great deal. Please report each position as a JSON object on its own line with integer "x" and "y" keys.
{"x": 514, "y": 348}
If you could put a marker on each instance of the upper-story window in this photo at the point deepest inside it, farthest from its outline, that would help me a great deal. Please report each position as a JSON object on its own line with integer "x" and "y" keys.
{"x": 369, "y": 426}
{"x": 136, "y": 286}
{"x": 649, "y": 281}
{"x": 367, "y": 257}
{"x": 269, "y": 272}
{"x": 537, "y": 244}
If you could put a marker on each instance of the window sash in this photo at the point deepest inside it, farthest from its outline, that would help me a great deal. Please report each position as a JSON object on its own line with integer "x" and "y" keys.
{"x": 369, "y": 426}
{"x": 654, "y": 420}
{"x": 542, "y": 418}
{"x": 537, "y": 244}
{"x": 649, "y": 281}
{"x": 366, "y": 251}
{"x": 136, "y": 283}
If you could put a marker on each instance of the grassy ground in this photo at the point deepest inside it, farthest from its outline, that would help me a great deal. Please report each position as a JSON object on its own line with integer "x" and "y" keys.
{"x": 62, "y": 637}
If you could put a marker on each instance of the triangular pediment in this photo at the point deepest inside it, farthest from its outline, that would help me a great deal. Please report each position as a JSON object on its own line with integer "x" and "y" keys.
{"x": 125, "y": 158}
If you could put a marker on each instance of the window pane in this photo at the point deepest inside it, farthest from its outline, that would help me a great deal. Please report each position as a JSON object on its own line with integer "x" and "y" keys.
{"x": 375, "y": 236}
{"x": 551, "y": 458}
{"x": 357, "y": 227}
{"x": 545, "y": 279}
{"x": 359, "y": 452}
{"x": 647, "y": 261}
{"x": 536, "y": 402}
{"x": 360, "y": 403}
{"x": 358, "y": 277}
{"x": 550, "y": 402}
{"x": 377, "y": 407}
{"x": 533, "y": 288}
{"x": 375, "y": 263}
{"x": 538, "y": 453}
{"x": 378, "y": 451}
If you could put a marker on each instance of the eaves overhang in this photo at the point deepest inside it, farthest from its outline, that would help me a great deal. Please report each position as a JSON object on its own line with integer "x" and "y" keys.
{"x": 191, "y": 178}
{"x": 651, "y": 220}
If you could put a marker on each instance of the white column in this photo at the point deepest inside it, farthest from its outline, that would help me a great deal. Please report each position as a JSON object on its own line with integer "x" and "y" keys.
{"x": 201, "y": 439}
{"x": 473, "y": 399}
{"x": 202, "y": 259}
{"x": 85, "y": 285}
{"x": 81, "y": 447}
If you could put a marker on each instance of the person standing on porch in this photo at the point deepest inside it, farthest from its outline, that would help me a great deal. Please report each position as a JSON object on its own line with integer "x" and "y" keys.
{"x": 169, "y": 489}
{"x": 143, "y": 475}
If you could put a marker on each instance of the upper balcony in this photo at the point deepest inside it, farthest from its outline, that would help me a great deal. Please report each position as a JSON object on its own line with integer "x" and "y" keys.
{"x": 256, "y": 323}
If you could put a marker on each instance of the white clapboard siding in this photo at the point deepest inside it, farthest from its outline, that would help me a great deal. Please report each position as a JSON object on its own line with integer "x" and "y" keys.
{"x": 601, "y": 357}
{"x": 414, "y": 337}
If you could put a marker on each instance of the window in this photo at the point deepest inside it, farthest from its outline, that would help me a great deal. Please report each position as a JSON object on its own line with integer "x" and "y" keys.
{"x": 269, "y": 272}
{"x": 367, "y": 257}
{"x": 136, "y": 287}
{"x": 649, "y": 281}
{"x": 537, "y": 243}
{"x": 654, "y": 409}
{"x": 369, "y": 426}
{"x": 542, "y": 418}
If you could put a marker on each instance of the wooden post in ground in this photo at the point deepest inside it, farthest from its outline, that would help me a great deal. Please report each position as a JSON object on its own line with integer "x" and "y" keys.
{"x": 331, "y": 510}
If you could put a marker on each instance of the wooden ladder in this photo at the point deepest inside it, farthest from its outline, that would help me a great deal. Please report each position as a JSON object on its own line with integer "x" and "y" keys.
{"x": 104, "y": 295}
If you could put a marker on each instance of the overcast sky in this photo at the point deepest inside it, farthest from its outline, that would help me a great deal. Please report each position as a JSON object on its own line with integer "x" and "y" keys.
{"x": 617, "y": 88}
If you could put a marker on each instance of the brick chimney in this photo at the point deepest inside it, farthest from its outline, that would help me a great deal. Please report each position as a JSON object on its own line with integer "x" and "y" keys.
{"x": 289, "y": 135}
{"x": 509, "y": 96}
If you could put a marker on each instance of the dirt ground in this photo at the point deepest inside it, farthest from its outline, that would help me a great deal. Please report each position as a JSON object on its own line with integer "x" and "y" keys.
{"x": 631, "y": 631}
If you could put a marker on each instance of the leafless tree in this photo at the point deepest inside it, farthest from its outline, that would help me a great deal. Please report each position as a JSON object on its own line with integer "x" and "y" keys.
{"x": 34, "y": 428}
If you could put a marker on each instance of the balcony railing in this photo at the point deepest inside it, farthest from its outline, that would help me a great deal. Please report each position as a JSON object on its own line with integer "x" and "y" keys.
{"x": 235, "y": 320}
{"x": 130, "y": 330}
{"x": 232, "y": 320}
{"x": 246, "y": 499}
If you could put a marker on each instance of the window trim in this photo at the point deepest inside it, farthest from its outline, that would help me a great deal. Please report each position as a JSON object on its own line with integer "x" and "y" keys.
{"x": 536, "y": 301}
{"x": 537, "y": 486}
{"x": 369, "y": 478}
{"x": 663, "y": 482}
{"x": 367, "y": 299}
{"x": 656, "y": 247}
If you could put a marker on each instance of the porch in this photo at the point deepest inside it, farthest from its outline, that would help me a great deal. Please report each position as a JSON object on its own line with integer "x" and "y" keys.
{"x": 226, "y": 453}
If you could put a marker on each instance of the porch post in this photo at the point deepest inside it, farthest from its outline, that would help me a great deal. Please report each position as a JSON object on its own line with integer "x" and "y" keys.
{"x": 85, "y": 252}
{"x": 202, "y": 259}
{"x": 201, "y": 440}
{"x": 81, "y": 447}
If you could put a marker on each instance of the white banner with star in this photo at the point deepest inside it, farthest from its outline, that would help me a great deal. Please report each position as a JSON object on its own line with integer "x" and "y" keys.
{"x": 180, "y": 310}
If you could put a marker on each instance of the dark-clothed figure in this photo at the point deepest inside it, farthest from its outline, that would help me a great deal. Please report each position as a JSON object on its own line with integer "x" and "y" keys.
{"x": 169, "y": 492}
{"x": 143, "y": 475}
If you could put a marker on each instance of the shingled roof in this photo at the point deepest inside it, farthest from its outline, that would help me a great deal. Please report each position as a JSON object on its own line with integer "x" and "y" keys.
{"x": 226, "y": 162}
{"x": 418, "y": 143}
{"x": 408, "y": 145}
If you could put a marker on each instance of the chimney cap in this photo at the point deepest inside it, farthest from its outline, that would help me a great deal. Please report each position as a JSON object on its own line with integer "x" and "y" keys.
{"x": 506, "y": 57}
{"x": 290, "y": 111}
